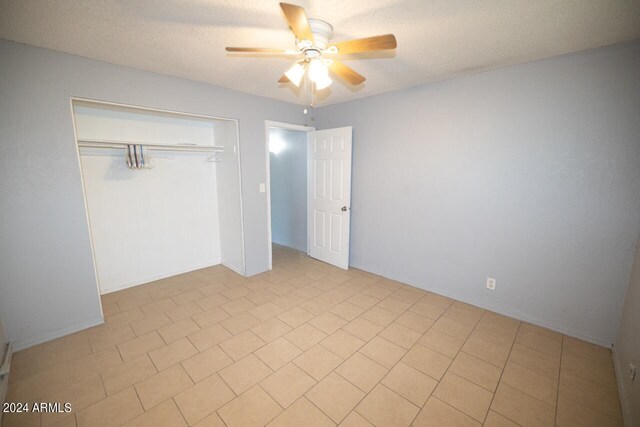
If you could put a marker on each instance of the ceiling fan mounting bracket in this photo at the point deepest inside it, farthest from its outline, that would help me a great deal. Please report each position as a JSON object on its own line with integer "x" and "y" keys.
{"x": 312, "y": 52}
{"x": 322, "y": 32}
{"x": 303, "y": 44}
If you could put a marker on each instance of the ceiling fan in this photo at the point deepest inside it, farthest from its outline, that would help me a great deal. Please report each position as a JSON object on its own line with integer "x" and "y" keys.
{"x": 315, "y": 52}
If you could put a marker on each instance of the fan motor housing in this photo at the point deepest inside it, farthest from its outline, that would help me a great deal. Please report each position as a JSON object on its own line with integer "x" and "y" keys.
{"x": 322, "y": 32}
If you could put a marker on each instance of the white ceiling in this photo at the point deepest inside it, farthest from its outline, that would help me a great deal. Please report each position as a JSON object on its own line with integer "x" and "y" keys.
{"x": 437, "y": 39}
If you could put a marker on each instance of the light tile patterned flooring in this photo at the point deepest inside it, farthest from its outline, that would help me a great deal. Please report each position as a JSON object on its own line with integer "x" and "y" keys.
{"x": 310, "y": 345}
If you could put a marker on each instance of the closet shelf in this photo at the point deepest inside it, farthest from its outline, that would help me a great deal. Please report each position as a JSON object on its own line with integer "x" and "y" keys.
{"x": 94, "y": 143}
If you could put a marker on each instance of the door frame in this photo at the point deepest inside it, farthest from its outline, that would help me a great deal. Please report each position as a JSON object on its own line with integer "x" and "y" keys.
{"x": 281, "y": 125}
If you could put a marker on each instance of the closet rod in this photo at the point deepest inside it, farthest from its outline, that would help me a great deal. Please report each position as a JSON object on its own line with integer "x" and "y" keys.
{"x": 153, "y": 147}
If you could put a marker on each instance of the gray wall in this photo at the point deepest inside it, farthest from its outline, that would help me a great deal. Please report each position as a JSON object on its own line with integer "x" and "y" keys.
{"x": 47, "y": 278}
{"x": 289, "y": 189}
{"x": 627, "y": 348}
{"x": 528, "y": 174}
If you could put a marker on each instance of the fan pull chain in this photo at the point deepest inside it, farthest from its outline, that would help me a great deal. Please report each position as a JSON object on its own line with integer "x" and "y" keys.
{"x": 306, "y": 89}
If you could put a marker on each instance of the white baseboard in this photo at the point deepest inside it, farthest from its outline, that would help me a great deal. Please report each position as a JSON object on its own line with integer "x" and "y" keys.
{"x": 147, "y": 279}
{"x": 45, "y": 336}
{"x": 52, "y": 335}
{"x": 234, "y": 269}
{"x": 5, "y": 371}
{"x": 620, "y": 373}
{"x": 515, "y": 315}
{"x": 292, "y": 246}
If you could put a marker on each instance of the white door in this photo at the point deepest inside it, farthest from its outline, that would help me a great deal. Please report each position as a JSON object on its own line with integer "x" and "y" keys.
{"x": 329, "y": 195}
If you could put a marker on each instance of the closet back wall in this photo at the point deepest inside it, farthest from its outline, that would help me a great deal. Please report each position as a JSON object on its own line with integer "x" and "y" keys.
{"x": 151, "y": 223}
{"x": 47, "y": 278}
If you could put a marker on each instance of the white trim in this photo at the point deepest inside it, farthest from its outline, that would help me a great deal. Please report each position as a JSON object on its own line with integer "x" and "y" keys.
{"x": 620, "y": 374}
{"x": 234, "y": 269}
{"x": 244, "y": 253}
{"x": 52, "y": 335}
{"x": 288, "y": 126}
{"x": 267, "y": 125}
{"x": 86, "y": 206}
{"x": 292, "y": 246}
{"x": 153, "y": 278}
{"x": 157, "y": 110}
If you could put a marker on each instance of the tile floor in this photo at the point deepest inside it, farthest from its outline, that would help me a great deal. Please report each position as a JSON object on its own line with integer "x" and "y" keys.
{"x": 310, "y": 345}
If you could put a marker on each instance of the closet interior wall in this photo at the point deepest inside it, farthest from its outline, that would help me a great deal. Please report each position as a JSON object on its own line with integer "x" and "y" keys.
{"x": 230, "y": 211}
{"x": 181, "y": 214}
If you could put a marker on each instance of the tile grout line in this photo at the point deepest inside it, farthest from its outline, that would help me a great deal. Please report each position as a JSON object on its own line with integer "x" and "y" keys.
{"x": 400, "y": 360}
{"x": 557, "y": 381}
{"x": 584, "y": 378}
{"x": 135, "y": 390}
{"x": 366, "y": 393}
{"x": 444, "y": 402}
{"x": 274, "y": 399}
{"x": 179, "y": 410}
{"x": 555, "y": 415}
{"x": 502, "y": 373}
{"x": 414, "y": 344}
{"x": 454, "y": 358}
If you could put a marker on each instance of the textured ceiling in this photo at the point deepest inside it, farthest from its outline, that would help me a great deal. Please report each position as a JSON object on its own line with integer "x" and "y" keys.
{"x": 437, "y": 39}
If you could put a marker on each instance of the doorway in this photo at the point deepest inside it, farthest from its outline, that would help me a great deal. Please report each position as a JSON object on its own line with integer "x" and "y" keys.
{"x": 328, "y": 190}
{"x": 287, "y": 185}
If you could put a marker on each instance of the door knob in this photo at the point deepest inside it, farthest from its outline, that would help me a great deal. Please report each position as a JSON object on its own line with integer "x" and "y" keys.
{"x": 343, "y": 209}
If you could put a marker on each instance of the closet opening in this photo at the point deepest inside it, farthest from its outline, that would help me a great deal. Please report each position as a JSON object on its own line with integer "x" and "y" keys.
{"x": 162, "y": 191}
{"x": 287, "y": 185}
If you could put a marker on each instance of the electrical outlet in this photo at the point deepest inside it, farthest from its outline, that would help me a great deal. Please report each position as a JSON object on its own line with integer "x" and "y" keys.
{"x": 632, "y": 372}
{"x": 491, "y": 284}
{"x": 263, "y": 187}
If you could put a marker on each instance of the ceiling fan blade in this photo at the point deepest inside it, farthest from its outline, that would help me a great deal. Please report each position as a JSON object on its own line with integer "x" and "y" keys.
{"x": 283, "y": 79}
{"x": 385, "y": 42}
{"x": 297, "y": 20}
{"x": 346, "y": 73}
{"x": 261, "y": 50}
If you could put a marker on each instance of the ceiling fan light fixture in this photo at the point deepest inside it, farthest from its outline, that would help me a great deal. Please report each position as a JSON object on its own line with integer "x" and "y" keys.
{"x": 323, "y": 82}
{"x": 295, "y": 73}
{"x": 317, "y": 70}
